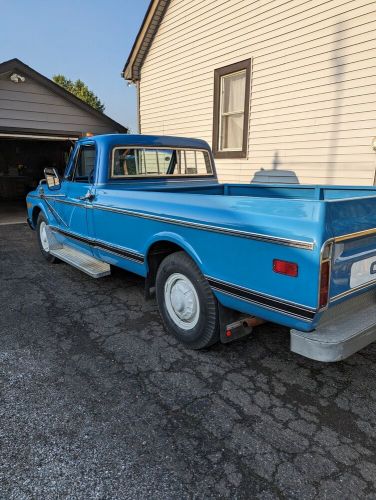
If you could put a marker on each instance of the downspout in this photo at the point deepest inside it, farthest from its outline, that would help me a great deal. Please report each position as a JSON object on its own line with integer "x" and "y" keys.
{"x": 136, "y": 83}
{"x": 138, "y": 107}
{"x": 374, "y": 149}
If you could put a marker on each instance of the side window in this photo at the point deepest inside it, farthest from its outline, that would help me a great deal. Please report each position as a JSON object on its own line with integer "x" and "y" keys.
{"x": 159, "y": 162}
{"x": 231, "y": 110}
{"x": 85, "y": 164}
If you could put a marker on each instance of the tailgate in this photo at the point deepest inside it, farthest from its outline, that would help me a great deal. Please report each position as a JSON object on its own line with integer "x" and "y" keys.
{"x": 353, "y": 224}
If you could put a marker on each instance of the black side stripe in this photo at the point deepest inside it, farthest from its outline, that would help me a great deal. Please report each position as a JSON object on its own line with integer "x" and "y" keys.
{"x": 128, "y": 254}
{"x": 262, "y": 300}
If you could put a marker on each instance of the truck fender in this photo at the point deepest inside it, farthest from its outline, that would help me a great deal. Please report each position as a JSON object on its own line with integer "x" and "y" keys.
{"x": 160, "y": 243}
{"x": 177, "y": 240}
{"x": 39, "y": 207}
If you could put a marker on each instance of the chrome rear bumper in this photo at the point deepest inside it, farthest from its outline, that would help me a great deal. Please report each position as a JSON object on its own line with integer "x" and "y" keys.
{"x": 343, "y": 330}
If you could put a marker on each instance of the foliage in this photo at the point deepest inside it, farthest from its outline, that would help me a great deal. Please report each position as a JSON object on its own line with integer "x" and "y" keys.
{"x": 80, "y": 90}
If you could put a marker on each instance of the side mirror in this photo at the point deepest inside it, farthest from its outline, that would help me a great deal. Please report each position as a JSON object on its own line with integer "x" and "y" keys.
{"x": 52, "y": 178}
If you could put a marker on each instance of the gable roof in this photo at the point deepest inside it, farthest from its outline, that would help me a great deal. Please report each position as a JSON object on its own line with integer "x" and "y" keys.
{"x": 17, "y": 65}
{"x": 144, "y": 39}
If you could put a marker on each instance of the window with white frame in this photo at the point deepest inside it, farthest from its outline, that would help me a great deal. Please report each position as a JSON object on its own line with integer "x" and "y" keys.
{"x": 231, "y": 110}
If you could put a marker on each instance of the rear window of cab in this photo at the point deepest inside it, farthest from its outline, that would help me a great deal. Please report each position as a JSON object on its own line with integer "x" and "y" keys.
{"x": 159, "y": 162}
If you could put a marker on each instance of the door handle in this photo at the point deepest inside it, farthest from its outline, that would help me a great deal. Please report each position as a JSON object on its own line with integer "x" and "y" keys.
{"x": 87, "y": 197}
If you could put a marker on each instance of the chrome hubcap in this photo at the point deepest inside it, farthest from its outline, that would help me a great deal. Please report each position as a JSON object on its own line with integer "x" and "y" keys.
{"x": 181, "y": 301}
{"x": 43, "y": 236}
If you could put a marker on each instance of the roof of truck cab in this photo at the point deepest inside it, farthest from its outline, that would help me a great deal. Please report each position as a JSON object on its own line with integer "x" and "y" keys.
{"x": 111, "y": 140}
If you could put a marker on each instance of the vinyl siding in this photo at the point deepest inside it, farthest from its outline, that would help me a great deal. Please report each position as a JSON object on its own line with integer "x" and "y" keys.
{"x": 30, "y": 105}
{"x": 313, "y": 92}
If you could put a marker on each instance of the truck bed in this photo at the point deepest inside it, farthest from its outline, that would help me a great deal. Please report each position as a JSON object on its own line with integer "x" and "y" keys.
{"x": 305, "y": 216}
{"x": 283, "y": 191}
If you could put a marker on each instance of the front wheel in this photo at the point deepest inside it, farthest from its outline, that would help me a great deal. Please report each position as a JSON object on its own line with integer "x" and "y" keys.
{"x": 43, "y": 242}
{"x": 186, "y": 303}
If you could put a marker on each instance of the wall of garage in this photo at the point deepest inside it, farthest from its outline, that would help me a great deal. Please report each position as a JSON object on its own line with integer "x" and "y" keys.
{"x": 29, "y": 105}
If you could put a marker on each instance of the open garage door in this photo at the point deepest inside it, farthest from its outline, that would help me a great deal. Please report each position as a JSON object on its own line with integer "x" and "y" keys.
{"x": 23, "y": 159}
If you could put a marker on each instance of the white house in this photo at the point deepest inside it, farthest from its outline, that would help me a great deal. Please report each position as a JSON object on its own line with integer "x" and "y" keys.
{"x": 283, "y": 90}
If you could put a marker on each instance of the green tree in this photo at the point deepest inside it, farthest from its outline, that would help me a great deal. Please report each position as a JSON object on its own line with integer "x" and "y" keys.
{"x": 80, "y": 90}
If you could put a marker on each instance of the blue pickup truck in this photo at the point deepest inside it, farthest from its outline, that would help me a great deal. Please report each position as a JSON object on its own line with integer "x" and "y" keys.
{"x": 220, "y": 258}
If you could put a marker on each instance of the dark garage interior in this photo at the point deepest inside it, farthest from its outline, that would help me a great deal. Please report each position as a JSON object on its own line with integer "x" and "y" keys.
{"x": 22, "y": 162}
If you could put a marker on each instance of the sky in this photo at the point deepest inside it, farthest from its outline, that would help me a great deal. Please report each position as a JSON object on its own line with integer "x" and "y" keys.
{"x": 86, "y": 39}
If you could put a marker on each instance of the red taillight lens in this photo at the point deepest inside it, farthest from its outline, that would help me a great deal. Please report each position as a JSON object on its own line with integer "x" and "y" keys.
{"x": 284, "y": 267}
{"x": 324, "y": 284}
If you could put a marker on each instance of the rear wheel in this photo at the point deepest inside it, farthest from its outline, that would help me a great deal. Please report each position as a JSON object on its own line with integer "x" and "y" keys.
{"x": 44, "y": 245}
{"x": 186, "y": 303}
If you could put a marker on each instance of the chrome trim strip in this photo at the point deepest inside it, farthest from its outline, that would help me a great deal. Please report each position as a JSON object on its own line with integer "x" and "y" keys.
{"x": 322, "y": 261}
{"x": 56, "y": 215}
{"x": 353, "y": 290}
{"x": 268, "y": 301}
{"x": 156, "y": 181}
{"x": 309, "y": 308}
{"x": 157, "y": 175}
{"x": 206, "y": 227}
{"x": 118, "y": 254}
{"x": 53, "y": 196}
{"x": 121, "y": 252}
{"x": 266, "y": 307}
{"x": 358, "y": 234}
{"x": 345, "y": 237}
{"x": 68, "y": 202}
{"x": 305, "y": 245}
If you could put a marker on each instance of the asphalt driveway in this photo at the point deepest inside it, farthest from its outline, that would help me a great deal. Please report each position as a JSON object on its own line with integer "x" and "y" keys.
{"x": 98, "y": 402}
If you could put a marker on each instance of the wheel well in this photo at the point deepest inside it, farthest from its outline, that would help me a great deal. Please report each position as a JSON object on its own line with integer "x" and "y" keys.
{"x": 157, "y": 252}
{"x": 36, "y": 212}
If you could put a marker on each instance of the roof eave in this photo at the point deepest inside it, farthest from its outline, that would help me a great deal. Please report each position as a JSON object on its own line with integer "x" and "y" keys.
{"x": 144, "y": 39}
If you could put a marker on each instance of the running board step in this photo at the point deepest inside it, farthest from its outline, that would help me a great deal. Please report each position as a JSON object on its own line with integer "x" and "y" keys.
{"x": 89, "y": 265}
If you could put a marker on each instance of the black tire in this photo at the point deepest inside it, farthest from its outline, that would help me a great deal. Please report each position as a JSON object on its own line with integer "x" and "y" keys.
{"x": 206, "y": 331}
{"x": 46, "y": 255}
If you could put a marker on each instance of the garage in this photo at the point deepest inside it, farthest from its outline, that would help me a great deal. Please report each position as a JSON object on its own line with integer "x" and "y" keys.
{"x": 39, "y": 122}
{"x": 22, "y": 163}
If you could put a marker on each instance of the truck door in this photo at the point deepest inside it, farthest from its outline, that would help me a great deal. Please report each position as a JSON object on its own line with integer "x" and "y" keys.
{"x": 75, "y": 206}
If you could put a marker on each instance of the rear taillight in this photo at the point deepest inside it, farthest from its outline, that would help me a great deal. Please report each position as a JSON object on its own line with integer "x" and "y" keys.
{"x": 324, "y": 284}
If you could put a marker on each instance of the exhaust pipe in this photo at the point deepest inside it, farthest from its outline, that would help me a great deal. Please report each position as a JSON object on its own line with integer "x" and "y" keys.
{"x": 252, "y": 321}
{"x": 241, "y": 328}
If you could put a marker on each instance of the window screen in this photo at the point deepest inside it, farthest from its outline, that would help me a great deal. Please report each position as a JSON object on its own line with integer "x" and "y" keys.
{"x": 127, "y": 162}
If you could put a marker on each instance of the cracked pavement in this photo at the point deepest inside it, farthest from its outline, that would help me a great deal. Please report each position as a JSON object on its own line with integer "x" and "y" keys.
{"x": 97, "y": 401}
